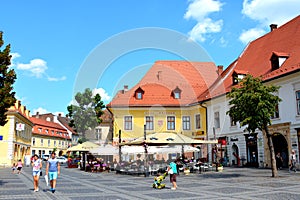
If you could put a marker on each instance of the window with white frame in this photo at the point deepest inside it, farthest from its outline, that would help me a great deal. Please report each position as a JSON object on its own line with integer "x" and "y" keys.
{"x": 149, "y": 123}
{"x": 170, "y": 122}
{"x": 128, "y": 122}
{"x": 186, "y": 123}
{"x": 217, "y": 119}
{"x": 55, "y": 143}
{"x": 49, "y": 143}
{"x": 276, "y": 113}
{"x": 42, "y": 142}
{"x": 298, "y": 101}
{"x": 33, "y": 141}
{"x": 198, "y": 121}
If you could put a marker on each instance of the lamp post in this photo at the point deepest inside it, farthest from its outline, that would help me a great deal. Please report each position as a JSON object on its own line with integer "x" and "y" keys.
{"x": 120, "y": 146}
{"x": 146, "y": 153}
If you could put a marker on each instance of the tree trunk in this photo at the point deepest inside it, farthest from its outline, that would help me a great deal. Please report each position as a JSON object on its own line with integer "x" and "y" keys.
{"x": 272, "y": 153}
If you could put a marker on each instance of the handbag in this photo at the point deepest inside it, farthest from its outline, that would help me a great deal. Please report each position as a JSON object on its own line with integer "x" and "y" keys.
{"x": 41, "y": 173}
{"x": 170, "y": 171}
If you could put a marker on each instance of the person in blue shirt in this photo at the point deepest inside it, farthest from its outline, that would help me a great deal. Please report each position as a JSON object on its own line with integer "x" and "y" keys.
{"x": 52, "y": 170}
{"x": 172, "y": 170}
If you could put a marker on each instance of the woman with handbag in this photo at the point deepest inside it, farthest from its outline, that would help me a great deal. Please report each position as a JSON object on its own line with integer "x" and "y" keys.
{"x": 172, "y": 170}
{"x": 36, "y": 171}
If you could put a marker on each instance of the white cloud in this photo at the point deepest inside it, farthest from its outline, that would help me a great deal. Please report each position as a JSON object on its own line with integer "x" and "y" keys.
{"x": 223, "y": 42}
{"x": 40, "y": 110}
{"x": 102, "y": 93}
{"x": 204, "y": 27}
{"x": 56, "y": 79}
{"x": 251, "y": 34}
{"x": 200, "y": 10}
{"x": 267, "y": 12}
{"x": 271, "y": 11}
{"x": 36, "y": 67}
{"x": 13, "y": 57}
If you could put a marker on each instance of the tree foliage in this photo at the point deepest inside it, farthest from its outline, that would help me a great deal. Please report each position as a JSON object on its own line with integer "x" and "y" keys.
{"x": 7, "y": 79}
{"x": 86, "y": 113}
{"x": 252, "y": 104}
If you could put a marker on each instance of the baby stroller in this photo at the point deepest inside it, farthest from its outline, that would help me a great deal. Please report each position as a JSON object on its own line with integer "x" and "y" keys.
{"x": 158, "y": 181}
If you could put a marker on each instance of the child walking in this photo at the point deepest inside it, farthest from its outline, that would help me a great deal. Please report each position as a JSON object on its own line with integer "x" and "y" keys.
{"x": 13, "y": 168}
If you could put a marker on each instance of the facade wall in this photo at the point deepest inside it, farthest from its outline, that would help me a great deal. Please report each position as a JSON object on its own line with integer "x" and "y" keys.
{"x": 160, "y": 122}
{"x": 15, "y": 144}
{"x": 44, "y": 145}
{"x": 287, "y": 125}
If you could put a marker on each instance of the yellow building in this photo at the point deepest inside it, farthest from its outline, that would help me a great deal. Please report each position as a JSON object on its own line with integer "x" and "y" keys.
{"x": 48, "y": 135}
{"x": 15, "y": 135}
{"x": 165, "y": 100}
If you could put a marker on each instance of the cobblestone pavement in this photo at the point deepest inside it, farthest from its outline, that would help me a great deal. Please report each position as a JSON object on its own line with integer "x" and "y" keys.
{"x": 232, "y": 183}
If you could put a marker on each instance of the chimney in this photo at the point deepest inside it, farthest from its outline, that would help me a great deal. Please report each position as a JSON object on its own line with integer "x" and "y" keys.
{"x": 37, "y": 115}
{"x": 125, "y": 88}
{"x": 220, "y": 69}
{"x": 59, "y": 114}
{"x": 273, "y": 27}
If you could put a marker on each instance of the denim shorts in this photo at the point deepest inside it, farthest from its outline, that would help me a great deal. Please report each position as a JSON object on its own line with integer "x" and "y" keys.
{"x": 52, "y": 175}
{"x": 36, "y": 173}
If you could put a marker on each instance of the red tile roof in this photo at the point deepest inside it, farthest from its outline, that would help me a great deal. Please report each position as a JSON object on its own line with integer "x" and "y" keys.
{"x": 255, "y": 59}
{"x": 50, "y": 126}
{"x": 192, "y": 78}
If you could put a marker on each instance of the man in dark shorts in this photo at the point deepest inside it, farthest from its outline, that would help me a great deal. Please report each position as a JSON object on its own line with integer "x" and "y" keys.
{"x": 172, "y": 170}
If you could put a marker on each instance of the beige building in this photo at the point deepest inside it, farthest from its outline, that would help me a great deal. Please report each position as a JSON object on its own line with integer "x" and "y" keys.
{"x": 15, "y": 135}
{"x": 47, "y": 136}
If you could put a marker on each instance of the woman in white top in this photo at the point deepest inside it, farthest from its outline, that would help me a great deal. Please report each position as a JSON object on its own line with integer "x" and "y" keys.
{"x": 36, "y": 170}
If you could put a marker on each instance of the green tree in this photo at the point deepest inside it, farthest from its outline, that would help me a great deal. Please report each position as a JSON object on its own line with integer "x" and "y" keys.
{"x": 7, "y": 79}
{"x": 252, "y": 105}
{"x": 86, "y": 114}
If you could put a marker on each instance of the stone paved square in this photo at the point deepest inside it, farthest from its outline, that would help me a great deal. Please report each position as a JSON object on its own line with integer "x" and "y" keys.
{"x": 232, "y": 183}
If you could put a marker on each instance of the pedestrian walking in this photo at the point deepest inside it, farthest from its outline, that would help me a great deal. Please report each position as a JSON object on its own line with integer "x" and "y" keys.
{"x": 13, "y": 168}
{"x": 19, "y": 166}
{"x": 172, "y": 170}
{"x": 293, "y": 161}
{"x": 52, "y": 171}
{"x": 37, "y": 165}
{"x": 278, "y": 161}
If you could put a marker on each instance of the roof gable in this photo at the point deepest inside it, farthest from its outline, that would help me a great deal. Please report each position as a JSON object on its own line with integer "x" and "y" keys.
{"x": 192, "y": 78}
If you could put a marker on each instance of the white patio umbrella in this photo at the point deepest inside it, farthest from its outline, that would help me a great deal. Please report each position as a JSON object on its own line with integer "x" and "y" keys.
{"x": 105, "y": 150}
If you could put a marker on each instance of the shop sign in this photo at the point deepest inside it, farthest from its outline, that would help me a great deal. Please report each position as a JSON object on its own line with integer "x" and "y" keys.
{"x": 20, "y": 127}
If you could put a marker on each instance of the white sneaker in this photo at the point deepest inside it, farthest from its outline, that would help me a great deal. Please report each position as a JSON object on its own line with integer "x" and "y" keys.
{"x": 173, "y": 188}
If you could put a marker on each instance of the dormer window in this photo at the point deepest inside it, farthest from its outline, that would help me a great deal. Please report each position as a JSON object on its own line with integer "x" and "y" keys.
{"x": 139, "y": 93}
{"x": 277, "y": 59}
{"x": 176, "y": 93}
{"x": 237, "y": 76}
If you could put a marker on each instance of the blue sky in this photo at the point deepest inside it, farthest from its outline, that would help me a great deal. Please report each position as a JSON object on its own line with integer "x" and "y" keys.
{"x": 52, "y": 42}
